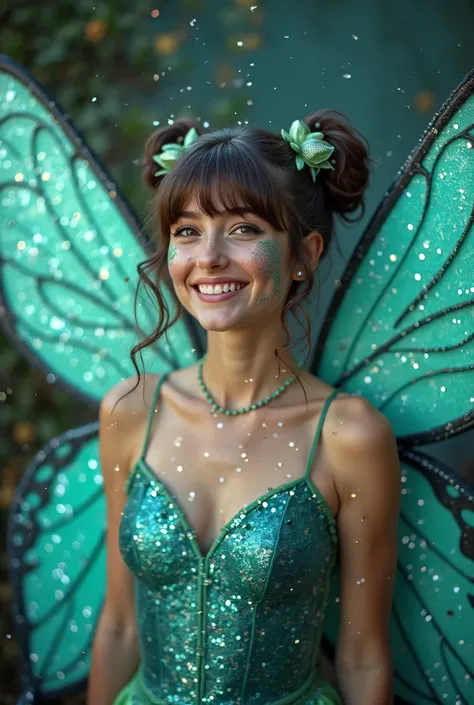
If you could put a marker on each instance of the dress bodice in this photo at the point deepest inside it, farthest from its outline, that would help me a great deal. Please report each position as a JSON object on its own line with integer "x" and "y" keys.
{"x": 242, "y": 624}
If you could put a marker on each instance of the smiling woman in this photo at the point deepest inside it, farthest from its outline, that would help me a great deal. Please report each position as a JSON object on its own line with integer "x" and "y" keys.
{"x": 237, "y": 196}
{"x": 240, "y": 482}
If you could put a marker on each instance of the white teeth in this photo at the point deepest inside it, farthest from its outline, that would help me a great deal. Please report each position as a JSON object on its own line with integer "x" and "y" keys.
{"x": 219, "y": 288}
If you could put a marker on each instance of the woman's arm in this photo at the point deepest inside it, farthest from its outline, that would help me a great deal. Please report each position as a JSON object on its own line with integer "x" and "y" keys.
{"x": 115, "y": 653}
{"x": 367, "y": 474}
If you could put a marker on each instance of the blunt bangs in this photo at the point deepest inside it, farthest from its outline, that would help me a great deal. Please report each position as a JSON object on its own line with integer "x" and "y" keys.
{"x": 221, "y": 174}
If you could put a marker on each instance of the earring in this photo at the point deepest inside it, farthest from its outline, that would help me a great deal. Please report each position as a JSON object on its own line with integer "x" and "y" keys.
{"x": 299, "y": 273}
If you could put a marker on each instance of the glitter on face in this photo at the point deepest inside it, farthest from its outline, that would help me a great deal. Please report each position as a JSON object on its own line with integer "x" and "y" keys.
{"x": 172, "y": 253}
{"x": 268, "y": 256}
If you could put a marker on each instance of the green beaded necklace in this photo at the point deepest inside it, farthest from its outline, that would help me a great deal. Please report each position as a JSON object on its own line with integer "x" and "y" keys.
{"x": 236, "y": 412}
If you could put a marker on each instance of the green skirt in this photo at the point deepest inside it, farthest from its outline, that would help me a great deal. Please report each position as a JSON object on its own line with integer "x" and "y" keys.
{"x": 125, "y": 696}
{"x": 130, "y": 695}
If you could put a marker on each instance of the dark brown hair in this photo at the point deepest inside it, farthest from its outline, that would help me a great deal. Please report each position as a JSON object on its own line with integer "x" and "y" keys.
{"x": 245, "y": 165}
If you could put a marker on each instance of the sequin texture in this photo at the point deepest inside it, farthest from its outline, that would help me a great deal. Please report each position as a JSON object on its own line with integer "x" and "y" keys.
{"x": 243, "y": 623}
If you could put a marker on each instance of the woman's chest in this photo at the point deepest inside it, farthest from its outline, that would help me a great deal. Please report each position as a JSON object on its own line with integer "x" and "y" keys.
{"x": 279, "y": 547}
{"x": 217, "y": 466}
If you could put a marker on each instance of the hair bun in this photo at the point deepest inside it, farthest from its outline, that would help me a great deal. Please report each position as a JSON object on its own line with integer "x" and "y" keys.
{"x": 165, "y": 135}
{"x": 348, "y": 181}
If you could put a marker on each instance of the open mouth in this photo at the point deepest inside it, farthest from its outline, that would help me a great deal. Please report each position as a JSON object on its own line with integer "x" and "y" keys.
{"x": 220, "y": 288}
{"x": 218, "y": 292}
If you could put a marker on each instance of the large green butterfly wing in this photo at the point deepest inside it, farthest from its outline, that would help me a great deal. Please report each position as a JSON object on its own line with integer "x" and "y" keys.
{"x": 400, "y": 332}
{"x": 56, "y": 547}
{"x": 69, "y": 250}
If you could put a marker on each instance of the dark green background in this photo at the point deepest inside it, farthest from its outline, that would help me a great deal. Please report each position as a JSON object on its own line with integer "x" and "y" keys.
{"x": 403, "y": 60}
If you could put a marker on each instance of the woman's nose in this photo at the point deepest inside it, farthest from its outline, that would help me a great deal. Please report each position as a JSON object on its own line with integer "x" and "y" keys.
{"x": 212, "y": 256}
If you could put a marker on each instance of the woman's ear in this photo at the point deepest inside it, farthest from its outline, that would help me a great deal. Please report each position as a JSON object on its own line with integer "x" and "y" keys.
{"x": 314, "y": 246}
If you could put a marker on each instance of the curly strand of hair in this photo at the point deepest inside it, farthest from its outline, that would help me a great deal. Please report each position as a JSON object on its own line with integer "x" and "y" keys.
{"x": 154, "y": 263}
{"x": 294, "y": 307}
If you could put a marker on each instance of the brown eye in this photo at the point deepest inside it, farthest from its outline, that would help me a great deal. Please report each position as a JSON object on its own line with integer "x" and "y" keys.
{"x": 247, "y": 229}
{"x": 185, "y": 231}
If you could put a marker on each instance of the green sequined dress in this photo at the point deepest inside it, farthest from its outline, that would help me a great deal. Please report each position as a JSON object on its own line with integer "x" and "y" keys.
{"x": 241, "y": 625}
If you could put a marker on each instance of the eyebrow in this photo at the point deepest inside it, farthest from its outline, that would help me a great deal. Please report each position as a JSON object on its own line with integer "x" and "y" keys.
{"x": 231, "y": 211}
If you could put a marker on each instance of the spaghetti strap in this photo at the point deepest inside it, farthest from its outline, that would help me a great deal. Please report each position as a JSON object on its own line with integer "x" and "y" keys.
{"x": 151, "y": 416}
{"x": 320, "y": 428}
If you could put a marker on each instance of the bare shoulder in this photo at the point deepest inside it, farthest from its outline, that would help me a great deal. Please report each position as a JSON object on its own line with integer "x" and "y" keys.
{"x": 361, "y": 443}
{"x": 362, "y": 422}
{"x": 124, "y": 412}
{"x": 129, "y": 398}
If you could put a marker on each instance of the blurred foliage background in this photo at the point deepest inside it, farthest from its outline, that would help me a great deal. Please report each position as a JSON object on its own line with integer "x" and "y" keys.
{"x": 120, "y": 69}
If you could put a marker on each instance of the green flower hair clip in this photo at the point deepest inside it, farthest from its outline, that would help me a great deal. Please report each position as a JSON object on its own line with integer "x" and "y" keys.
{"x": 171, "y": 152}
{"x": 310, "y": 148}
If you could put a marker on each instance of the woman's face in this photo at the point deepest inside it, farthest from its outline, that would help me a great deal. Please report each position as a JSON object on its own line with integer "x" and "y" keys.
{"x": 230, "y": 270}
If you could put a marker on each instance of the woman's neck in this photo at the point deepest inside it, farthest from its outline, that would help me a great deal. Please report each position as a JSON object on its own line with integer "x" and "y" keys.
{"x": 242, "y": 369}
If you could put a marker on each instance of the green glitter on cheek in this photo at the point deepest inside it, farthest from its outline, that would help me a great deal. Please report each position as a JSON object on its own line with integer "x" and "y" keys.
{"x": 172, "y": 252}
{"x": 268, "y": 255}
